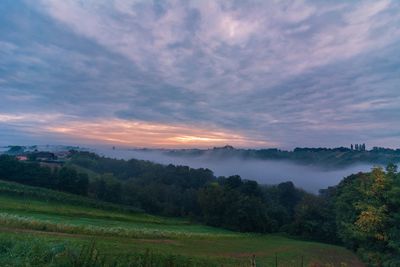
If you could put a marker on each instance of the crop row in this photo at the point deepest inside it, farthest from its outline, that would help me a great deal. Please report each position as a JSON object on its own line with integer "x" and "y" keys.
{"x": 24, "y": 222}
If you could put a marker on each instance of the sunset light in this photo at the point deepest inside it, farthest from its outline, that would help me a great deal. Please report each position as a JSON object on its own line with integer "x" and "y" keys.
{"x": 199, "y": 133}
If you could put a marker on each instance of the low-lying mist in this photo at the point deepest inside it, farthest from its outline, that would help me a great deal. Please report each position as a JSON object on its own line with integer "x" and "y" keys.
{"x": 310, "y": 178}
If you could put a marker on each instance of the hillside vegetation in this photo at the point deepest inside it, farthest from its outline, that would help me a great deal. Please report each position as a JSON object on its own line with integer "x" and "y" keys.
{"x": 361, "y": 213}
{"x": 52, "y": 231}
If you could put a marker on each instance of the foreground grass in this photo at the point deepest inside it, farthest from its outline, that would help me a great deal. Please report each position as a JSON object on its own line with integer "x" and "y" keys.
{"x": 33, "y": 251}
{"x": 117, "y": 233}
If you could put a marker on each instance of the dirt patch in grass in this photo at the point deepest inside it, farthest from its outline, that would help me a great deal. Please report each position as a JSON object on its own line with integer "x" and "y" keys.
{"x": 337, "y": 258}
{"x": 158, "y": 241}
{"x": 257, "y": 254}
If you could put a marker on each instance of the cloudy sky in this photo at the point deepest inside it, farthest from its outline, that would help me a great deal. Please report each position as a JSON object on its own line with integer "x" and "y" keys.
{"x": 200, "y": 73}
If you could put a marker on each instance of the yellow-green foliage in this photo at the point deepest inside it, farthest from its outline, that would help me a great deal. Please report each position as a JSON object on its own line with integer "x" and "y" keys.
{"x": 368, "y": 215}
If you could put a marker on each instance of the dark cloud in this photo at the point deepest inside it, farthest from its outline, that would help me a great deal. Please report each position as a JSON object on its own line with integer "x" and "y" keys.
{"x": 311, "y": 73}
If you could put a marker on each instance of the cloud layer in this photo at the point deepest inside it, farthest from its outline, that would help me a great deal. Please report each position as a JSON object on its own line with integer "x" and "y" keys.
{"x": 250, "y": 73}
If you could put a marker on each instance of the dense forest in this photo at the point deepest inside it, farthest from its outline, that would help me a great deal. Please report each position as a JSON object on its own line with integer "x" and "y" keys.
{"x": 362, "y": 212}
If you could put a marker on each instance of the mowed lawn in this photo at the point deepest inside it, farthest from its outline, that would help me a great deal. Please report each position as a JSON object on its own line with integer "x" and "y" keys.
{"x": 25, "y": 217}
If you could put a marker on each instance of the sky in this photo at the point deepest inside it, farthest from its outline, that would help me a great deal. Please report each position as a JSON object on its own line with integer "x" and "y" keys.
{"x": 180, "y": 74}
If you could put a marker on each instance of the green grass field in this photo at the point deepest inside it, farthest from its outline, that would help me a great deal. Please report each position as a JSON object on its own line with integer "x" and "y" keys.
{"x": 42, "y": 220}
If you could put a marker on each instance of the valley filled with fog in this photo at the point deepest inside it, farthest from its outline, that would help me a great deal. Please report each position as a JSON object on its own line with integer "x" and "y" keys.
{"x": 310, "y": 178}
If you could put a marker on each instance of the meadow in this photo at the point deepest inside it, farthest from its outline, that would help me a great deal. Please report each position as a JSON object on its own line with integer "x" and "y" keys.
{"x": 41, "y": 227}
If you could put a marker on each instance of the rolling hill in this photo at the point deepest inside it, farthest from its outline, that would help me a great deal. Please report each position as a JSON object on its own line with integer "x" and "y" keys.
{"x": 53, "y": 228}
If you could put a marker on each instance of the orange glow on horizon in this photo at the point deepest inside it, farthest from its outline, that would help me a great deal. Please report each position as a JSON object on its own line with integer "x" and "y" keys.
{"x": 145, "y": 134}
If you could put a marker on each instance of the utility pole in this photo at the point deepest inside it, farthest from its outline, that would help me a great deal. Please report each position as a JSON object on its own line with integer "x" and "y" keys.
{"x": 253, "y": 261}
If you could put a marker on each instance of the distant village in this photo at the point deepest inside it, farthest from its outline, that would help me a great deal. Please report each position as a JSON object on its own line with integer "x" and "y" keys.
{"x": 54, "y": 158}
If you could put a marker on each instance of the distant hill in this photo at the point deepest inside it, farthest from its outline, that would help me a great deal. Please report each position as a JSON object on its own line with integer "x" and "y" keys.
{"x": 323, "y": 157}
{"x": 330, "y": 158}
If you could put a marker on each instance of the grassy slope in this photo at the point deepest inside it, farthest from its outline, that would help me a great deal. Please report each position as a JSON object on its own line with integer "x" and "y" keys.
{"x": 58, "y": 219}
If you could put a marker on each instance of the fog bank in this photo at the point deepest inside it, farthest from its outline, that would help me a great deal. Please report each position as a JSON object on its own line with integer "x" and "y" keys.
{"x": 310, "y": 178}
